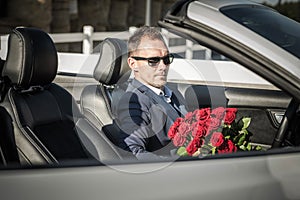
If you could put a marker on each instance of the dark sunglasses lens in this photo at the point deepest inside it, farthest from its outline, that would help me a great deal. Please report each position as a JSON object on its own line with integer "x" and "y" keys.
{"x": 168, "y": 59}
{"x": 153, "y": 61}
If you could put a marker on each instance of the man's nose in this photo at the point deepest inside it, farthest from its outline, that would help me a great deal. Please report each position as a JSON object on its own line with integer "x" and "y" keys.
{"x": 162, "y": 65}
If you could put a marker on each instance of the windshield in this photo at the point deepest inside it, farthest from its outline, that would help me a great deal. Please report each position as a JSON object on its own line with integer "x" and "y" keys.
{"x": 268, "y": 23}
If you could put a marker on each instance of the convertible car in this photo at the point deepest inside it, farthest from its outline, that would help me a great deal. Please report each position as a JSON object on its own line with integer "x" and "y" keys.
{"x": 58, "y": 136}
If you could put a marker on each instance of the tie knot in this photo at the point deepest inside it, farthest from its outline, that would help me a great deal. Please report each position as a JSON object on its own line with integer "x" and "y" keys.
{"x": 165, "y": 97}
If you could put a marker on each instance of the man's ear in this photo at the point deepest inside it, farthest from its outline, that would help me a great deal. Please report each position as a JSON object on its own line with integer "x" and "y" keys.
{"x": 132, "y": 64}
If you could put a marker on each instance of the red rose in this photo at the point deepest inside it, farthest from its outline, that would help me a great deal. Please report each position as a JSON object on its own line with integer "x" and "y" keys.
{"x": 231, "y": 146}
{"x": 194, "y": 145}
{"x": 174, "y": 128}
{"x": 172, "y": 132}
{"x": 214, "y": 123}
{"x": 189, "y": 117}
{"x": 194, "y": 125}
{"x": 184, "y": 129}
{"x": 230, "y": 115}
{"x": 218, "y": 113}
{"x": 217, "y": 139}
{"x": 227, "y": 147}
{"x": 202, "y": 114}
{"x": 178, "y": 140}
{"x": 199, "y": 130}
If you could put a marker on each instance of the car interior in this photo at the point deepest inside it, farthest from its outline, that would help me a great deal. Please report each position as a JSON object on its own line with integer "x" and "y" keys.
{"x": 43, "y": 124}
{"x": 42, "y": 117}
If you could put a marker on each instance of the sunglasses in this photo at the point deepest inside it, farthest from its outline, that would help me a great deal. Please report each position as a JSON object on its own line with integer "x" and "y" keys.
{"x": 154, "y": 61}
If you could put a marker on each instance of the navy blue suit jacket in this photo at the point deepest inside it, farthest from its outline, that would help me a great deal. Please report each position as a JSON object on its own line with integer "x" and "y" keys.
{"x": 145, "y": 118}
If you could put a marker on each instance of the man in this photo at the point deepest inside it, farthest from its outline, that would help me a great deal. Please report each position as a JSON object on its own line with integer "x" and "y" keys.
{"x": 148, "y": 108}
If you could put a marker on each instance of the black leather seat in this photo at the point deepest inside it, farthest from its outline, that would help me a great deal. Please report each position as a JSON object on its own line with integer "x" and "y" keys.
{"x": 112, "y": 72}
{"x": 98, "y": 101}
{"x": 44, "y": 115}
{"x": 8, "y": 151}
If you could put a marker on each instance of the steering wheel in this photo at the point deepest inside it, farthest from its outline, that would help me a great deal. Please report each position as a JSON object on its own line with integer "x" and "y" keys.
{"x": 285, "y": 123}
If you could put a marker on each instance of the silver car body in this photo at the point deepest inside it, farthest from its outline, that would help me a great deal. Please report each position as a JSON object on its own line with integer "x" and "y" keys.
{"x": 207, "y": 12}
{"x": 254, "y": 175}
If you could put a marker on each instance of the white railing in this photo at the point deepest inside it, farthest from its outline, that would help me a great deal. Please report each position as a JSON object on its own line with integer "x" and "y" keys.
{"x": 88, "y": 36}
{"x": 195, "y": 69}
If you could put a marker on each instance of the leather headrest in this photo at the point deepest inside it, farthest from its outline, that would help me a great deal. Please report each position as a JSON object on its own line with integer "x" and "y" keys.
{"x": 112, "y": 63}
{"x": 31, "y": 58}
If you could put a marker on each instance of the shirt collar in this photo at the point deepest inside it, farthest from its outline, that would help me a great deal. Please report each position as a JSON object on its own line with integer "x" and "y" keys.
{"x": 167, "y": 92}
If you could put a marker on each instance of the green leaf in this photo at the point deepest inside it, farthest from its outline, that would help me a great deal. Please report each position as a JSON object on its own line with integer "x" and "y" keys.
{"x": 249, "y": 147}
{"x": 227, "y": 126}
{"x": 243, "y": 132}
{"x": 246, "y": 121}
{"x": 241, "y": 140}
{"x": 239, "y": 126}
{"x": 228, "y": 132}
{"x": 258, "y": 148}
{"x": 243, "y": 147}
{"x": 182, "y": 151}
{"x": 213, "y": 150}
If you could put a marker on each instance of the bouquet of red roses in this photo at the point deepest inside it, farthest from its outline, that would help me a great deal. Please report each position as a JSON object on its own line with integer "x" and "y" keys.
{"x": 210, "y": 131}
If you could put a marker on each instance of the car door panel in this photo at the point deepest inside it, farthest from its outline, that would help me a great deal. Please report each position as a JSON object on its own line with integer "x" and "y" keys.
{"x": 256, "y": 177}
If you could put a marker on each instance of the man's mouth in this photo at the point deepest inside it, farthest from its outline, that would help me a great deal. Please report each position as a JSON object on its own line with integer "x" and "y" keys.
{"x": 161, "y": 74}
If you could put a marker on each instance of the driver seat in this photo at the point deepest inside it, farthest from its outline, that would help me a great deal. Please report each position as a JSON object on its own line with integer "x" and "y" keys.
{"x": 111, "y": 72}
{"x": 98, "y": 102}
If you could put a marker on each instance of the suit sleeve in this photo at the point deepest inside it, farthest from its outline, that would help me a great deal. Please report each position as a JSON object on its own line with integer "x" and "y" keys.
{"x": 134, "y": 119}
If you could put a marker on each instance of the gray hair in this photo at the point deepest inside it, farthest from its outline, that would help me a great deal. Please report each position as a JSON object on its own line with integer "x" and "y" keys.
{"x": 145, "y": 31}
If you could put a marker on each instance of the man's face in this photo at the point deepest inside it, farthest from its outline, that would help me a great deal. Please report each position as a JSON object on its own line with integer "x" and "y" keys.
{"x": 155, "y": 76}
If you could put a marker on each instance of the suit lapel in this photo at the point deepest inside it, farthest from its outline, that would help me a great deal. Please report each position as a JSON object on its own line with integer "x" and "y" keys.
{"x": 157, "y": 100}
{"x": 179, "y": 107}
{"x": 167, "y": 110}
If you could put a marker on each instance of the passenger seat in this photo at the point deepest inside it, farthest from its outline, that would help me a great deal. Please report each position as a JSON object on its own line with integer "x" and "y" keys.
{"x": 45, "y": 115}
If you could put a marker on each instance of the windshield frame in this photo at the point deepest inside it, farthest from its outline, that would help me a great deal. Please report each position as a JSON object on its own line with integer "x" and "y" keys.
{"x": 204, "y": 23}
